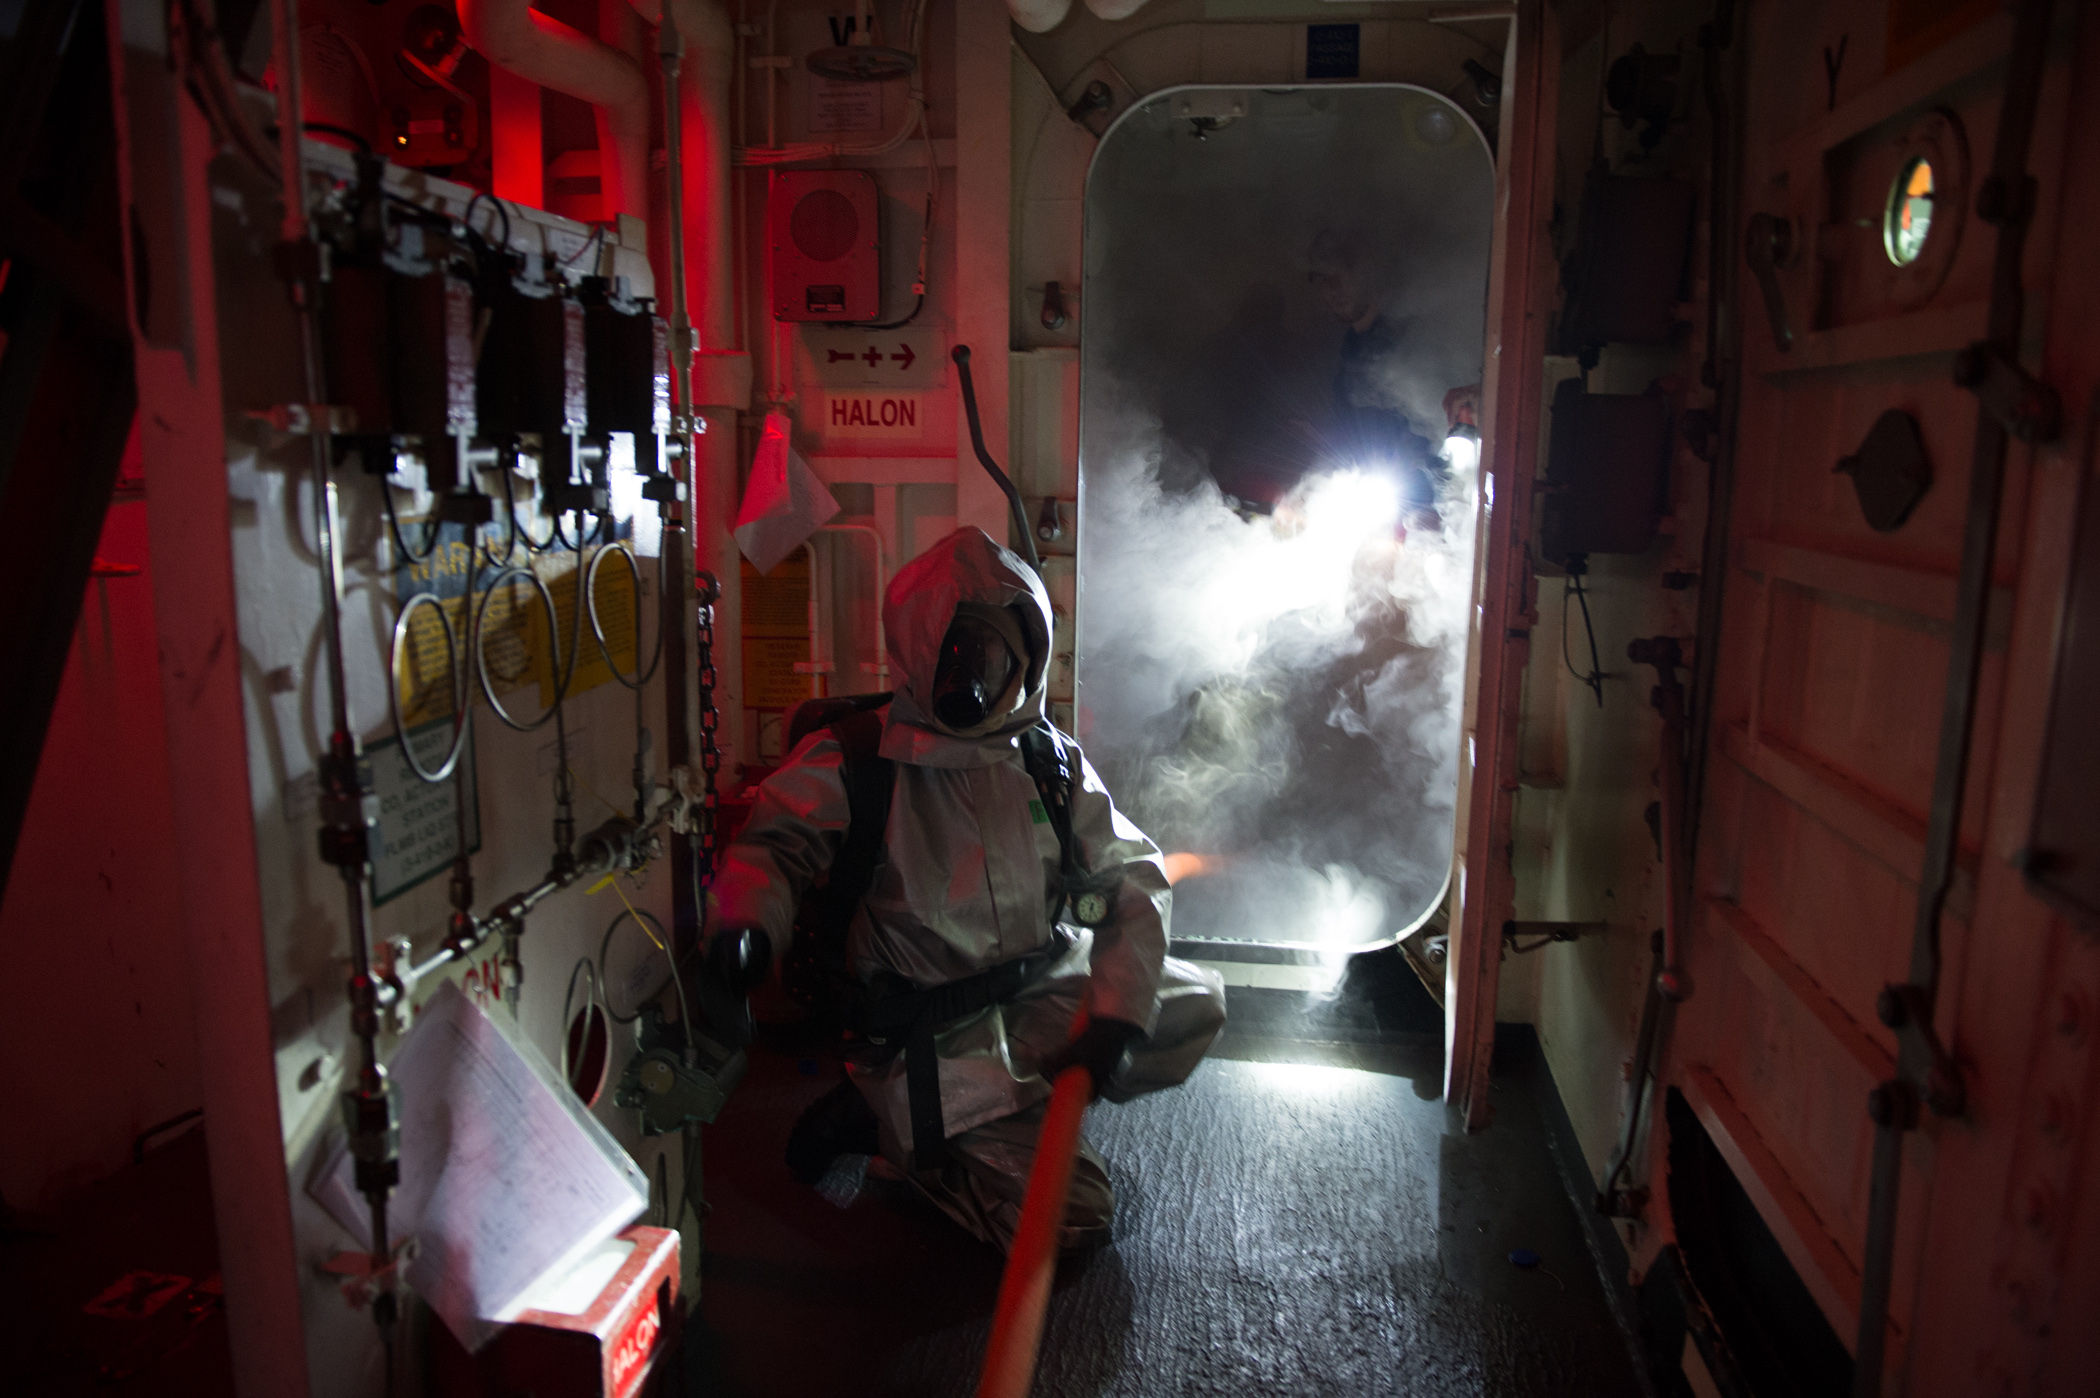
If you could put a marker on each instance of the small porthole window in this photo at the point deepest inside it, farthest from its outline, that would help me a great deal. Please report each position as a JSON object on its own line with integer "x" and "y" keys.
{"x": 1908, "y": 222}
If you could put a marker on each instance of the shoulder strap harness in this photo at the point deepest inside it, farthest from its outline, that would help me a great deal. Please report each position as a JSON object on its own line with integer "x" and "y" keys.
{"x": 908, "y": 1019}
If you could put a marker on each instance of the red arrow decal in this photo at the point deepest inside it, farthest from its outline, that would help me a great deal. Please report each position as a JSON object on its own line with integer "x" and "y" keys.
{"x": 837, "y": 355}
{"x": 908, "y": 358}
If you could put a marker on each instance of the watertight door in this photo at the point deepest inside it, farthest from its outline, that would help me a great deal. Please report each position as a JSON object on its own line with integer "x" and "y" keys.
{"x": 1868, "y": 130}
{"x": 1302, "y": 608}
{"x": 1284, "y": 288}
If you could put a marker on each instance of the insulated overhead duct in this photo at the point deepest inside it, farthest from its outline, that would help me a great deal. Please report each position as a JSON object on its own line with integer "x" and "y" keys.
{"x": 1042, "y": 16}
{"x": 519, "y": 39}
{"x": 1039, "y": 16}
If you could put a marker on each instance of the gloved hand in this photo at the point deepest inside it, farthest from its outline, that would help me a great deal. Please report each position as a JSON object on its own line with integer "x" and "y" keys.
{"x": 736, "y": 962}
{"x": 1100, "y": 1048}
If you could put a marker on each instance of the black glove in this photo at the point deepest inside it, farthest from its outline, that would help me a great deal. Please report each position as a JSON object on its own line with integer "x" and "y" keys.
{"x": 1101, "y": 1048}
{"x": 736, "y": 962}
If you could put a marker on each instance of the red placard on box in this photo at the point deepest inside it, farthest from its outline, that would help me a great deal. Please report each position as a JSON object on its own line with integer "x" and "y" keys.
{"x": 619, "y": 1345}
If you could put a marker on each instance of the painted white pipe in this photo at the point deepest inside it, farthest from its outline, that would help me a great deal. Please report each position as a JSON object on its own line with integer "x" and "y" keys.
{"x": 1039, "y": 16}
{"x": 515, "y": 37}
{"x": 816, "y": 667}
{"x": 721, "y": 389}
{"x": 880, "y": 668}
{"x": 710, "y": 48}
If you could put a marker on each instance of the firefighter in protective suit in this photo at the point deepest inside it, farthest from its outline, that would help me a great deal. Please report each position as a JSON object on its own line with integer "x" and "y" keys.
{"x": 991, "y": 920}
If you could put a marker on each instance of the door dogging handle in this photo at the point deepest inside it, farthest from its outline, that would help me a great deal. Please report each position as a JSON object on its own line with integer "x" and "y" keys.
{"x": 1768, "y": 242}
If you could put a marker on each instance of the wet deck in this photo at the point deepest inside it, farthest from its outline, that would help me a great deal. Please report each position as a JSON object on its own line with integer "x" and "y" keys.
{"x": 1297, "y": 1219}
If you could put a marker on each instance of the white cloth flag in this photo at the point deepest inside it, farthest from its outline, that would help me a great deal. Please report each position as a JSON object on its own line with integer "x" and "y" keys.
{"x": 784, "y": 502}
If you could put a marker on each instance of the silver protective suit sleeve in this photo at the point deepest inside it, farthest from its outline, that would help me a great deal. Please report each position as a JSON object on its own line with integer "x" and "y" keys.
{"x": 970, "y": 871}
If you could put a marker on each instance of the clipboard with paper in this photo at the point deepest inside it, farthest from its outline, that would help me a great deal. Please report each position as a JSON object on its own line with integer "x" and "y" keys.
{"x": 506, "y": 1178}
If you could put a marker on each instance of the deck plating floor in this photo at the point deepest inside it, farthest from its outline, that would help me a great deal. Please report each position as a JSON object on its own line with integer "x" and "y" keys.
{"x": 1296, "y": 1219}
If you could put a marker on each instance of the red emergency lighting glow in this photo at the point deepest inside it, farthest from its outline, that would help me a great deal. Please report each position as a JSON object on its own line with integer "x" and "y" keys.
{"x": 712, "y": 298}
{"x": 516, "y": 155}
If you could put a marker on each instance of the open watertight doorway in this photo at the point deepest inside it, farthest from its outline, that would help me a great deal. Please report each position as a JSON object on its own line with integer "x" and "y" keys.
{"x": 1292, "y": 435}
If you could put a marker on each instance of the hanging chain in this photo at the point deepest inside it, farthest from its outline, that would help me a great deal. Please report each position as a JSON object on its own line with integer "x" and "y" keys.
{"x": 564, "y": 795}
{"x": 564, "y": 803}
{"x": 710, "y": 592}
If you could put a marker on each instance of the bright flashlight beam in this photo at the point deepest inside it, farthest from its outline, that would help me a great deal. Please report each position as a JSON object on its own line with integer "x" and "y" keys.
{"x": 1316, "y": 537}
{"x": 1462, "y": 450}
{"x": 1351, "y": 505}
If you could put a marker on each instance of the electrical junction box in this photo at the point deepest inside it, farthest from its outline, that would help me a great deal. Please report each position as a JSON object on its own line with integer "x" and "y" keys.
{"x": 826, "y": 255}
{"x": 1608, "y": 466}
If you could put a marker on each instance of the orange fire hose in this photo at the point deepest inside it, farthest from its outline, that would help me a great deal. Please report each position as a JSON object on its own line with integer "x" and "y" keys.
{"x": 1024, "y": 1293}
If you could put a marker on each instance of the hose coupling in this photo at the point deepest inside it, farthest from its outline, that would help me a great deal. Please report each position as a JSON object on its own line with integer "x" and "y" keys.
{"x": 372, "y": 1120}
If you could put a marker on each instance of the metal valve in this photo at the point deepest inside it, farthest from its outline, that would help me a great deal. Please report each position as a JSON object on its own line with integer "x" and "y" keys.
{"x": 668, "y": 1090}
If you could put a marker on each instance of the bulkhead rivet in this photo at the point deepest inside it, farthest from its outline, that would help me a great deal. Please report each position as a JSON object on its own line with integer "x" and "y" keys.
{"x": 2058, "y": 1116}
{"x": 2040, "y": 1207}
{"x": 2070, "y": 1014}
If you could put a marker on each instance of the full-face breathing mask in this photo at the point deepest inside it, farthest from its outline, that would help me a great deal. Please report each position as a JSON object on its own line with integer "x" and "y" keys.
{"x": 976, "y": 670}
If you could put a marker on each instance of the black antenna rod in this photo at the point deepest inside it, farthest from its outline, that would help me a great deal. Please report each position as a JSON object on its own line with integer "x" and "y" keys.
{"x": 991, "y": 467}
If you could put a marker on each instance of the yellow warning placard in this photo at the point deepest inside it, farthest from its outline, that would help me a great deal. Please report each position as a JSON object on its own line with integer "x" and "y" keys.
{"x": 515, "y": 642}
{"x": 775, "y": 614}
{"x": 770, "y": 681}
{"x": 425, "y": 672}
{"x": 619, "y": 610}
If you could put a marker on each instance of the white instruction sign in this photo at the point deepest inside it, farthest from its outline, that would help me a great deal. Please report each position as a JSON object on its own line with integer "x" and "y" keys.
{"x": 874, "y": 417}
{"x": 418, "y": 821}
{"x": 844, "y": 109}
{"x": 914, "y": 359}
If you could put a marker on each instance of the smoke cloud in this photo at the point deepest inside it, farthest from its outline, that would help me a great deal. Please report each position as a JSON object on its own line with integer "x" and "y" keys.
{"x": 1271, "y": 632}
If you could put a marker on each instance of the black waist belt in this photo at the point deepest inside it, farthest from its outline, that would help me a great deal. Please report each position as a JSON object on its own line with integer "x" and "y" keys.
{"x": 908, "y": 1019}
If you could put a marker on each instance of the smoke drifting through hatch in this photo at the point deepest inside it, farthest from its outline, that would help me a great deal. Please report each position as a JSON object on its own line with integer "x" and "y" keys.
{"x": 1270, "y": 673}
